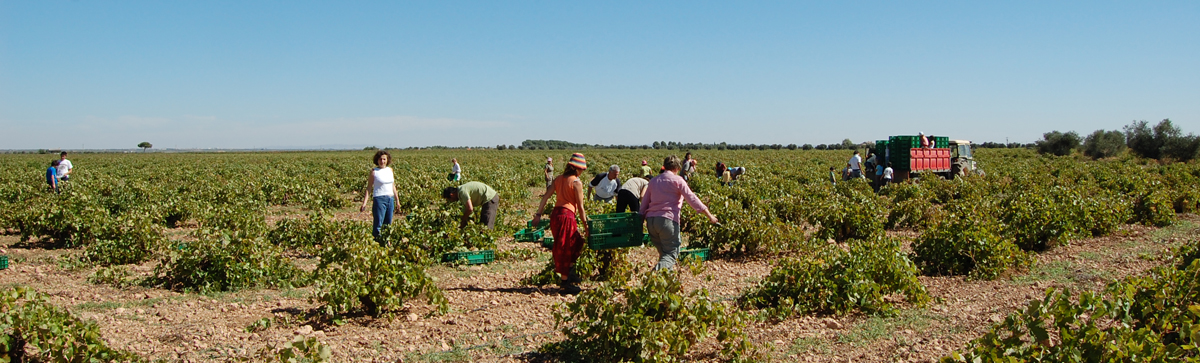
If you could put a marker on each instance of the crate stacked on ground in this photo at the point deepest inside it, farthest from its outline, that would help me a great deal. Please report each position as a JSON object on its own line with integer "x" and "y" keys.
{"x": 616, "y": 230}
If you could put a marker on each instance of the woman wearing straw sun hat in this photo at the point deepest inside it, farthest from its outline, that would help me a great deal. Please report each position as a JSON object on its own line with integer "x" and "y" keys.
{"x": 568, "y": 242}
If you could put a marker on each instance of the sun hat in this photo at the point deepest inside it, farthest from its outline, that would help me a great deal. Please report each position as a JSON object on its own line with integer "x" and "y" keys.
{"x": 578, "y": 161}
{"x": 643, "y": 162}
{"x": 549, "y": 160}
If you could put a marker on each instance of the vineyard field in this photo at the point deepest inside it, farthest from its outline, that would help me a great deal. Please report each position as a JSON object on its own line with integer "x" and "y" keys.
{"x": 264, "y": 256}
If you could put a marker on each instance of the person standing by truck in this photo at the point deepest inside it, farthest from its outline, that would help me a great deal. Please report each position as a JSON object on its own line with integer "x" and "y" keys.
{"x": 855, "y": 165}
{"x": 568, "y": 242}
{"x": 661, "y": 206}
{"x": 887, "y": 175}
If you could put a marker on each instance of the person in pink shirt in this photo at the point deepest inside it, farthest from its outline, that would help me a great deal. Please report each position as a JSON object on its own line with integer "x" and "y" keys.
{"x": 661, "y": 206}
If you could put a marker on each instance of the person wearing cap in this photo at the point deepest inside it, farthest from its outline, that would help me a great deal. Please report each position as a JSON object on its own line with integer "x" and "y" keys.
{"x": 661, "y": 208}
{"x": 629, "y": 197}
{"x": 549, "y": 171}
{"x": 924, "y": 140}
{"x": 568, "y": 204}
{"x": 475, "y": 195}
{"x": 646, "y": 171}
{"x": 604, "y": 187}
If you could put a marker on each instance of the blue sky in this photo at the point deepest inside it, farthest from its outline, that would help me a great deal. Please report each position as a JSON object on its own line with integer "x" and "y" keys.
{"x": 249, "y": 74}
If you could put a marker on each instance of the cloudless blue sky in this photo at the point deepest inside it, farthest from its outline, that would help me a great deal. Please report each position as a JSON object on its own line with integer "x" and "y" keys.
{"x": 249, "y": 74}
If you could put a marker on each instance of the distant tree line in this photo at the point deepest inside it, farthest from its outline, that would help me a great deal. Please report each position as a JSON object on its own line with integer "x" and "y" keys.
{"x": 1162, "y": 141}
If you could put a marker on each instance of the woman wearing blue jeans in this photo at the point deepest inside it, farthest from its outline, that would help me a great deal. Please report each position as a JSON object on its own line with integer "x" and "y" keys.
{"x": 381, "y": 183}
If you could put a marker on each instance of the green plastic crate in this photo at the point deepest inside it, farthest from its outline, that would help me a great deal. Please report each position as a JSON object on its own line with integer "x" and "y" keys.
{"x": 697, "y": 253}
{"x": 615, "y": 223}
{"x": 470, "y": 257}
{"x": 646, "y": 238}
{"x": 548, "y": 241}
{"x": 527, "y": 235}
{"x": 543, "y": 224}
{"x": 3, "y": 262}
{"x": 608, "y": 241}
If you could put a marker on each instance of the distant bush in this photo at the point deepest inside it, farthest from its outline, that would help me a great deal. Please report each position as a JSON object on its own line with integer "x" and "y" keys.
{"x": 1165, "y": 140}
{"x": 1058, "y": 143}
{"x": 1103, "y": 144}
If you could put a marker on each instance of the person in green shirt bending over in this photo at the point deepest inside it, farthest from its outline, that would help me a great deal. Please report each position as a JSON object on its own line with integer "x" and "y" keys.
{"x": 475, "y": 195}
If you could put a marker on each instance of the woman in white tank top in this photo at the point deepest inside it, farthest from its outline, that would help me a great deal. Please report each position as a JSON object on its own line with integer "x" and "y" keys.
{"x": 381, "y": 183}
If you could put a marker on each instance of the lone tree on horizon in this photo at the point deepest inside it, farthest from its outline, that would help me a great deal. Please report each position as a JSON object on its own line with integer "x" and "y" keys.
{"x": 145, "y": 145}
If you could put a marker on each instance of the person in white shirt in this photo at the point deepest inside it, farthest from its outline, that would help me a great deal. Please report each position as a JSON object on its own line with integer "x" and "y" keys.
{"x": 855, "y": 165}
{"x": 381, "y": 183}
{"x": 604, "y": 186}
{"x": 887, "y": 175}
{"x": 455, "y": 170}
{"x": 64, "y": 167}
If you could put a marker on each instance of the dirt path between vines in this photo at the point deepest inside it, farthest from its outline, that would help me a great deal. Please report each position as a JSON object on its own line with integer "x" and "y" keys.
{"x": 494, "y": 318}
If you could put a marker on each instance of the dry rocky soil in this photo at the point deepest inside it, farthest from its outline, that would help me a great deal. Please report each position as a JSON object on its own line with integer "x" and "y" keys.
{"x": 493, "y": 318}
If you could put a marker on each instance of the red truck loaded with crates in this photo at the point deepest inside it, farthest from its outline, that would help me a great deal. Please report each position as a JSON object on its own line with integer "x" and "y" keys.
{"x": 943, "y": 157}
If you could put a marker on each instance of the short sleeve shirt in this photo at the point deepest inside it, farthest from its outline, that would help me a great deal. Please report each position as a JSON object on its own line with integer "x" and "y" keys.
{"x": 478, "y": 193}
{"x": 855, "y": 162}
{"x": 63, "y": 167}
{"x": 635, "y": 185}
{"x": 605, "y": 187}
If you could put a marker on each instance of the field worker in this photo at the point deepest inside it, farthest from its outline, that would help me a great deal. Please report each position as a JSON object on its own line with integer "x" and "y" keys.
{"x": 52, "y": 176}
{"x": 878, "y": 181}
{"x": 832, "y": 176}
{"x": 630, "y": 195}
{"x": 549, "y": 171}
{"x": 869, "y": 164}
{"x": 721, "y": 168}
{"x": 475, "y": 195}
{"x": 661, "y": 207}
{"x": 689, "y": 166}
{"x": 604, "y": 186}
{"x": 568, "y": 242}
{"x": 887, "y": 175}
{"x": 855, "y": 165}
{"x": 646, "y": 171}
{"x": 455, "y": 170}
{"x": 736, "y": 172}
{"x": 381, "y": 183}
{"x": 924, "y": 140}
{"x": 64, "y": 167}
{"x": 726, "y": 178}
